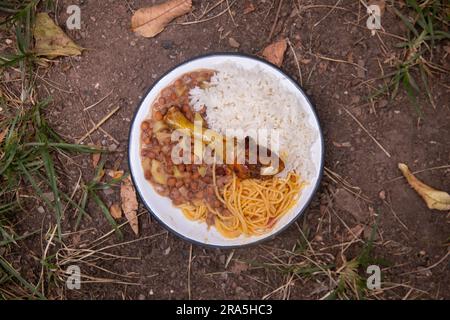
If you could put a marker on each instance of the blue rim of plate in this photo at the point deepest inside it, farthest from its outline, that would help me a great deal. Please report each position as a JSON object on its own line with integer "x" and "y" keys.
{"x": 322, "y": 156}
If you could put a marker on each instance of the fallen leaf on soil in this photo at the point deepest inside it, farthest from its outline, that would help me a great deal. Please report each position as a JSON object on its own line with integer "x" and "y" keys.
{"x": 3, "y": 134}
{"x": 51, "y": 41}
{"x": 95, "y": 159}
{"x": 233, "y": 43}
{"x": 129, "y": 203}
{"x": 249, "y": 7}
{"x": 239, "y": 267}
{"x": 434, "y": 199}
{"x": 115, "y": 211}
{"x": 274, "y": 52}
{"x": 150, "y": 21}
{"x": 355, "y": 232}
{"x": 115, "y": 174}
{"x": 345, "y": 201}
{"x": 380, "y": 3}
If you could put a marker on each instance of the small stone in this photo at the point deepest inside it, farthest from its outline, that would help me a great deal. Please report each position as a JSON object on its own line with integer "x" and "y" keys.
{"x": 422, "y": 252}
{"x": 113, "y": 147}
{"x": 141, "y": 297}
{"x": 382, "y": 195}
{"x": 166, "y": 251}
{"x": 97, "y": 85}
{"x": 233, "y": 43}
{"x": 8, "y": 41}
{"x": 132, "y": 43}
{"x": 41, "y": 209}
{"x": 167, "y": 44}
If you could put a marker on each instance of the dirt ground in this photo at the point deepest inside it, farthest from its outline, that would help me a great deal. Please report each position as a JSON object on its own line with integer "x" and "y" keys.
{"x": 121, "y": 66}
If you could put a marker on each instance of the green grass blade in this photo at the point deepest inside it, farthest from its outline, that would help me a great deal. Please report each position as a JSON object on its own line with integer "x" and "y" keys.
{"x": 13, "y": 272}
{"x": 107, "y": 214}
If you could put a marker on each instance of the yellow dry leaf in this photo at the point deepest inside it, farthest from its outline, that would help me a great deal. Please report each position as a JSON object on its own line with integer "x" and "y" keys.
{"x": 150, "y": 21}
{"x": 115, "y": 174}
{"x": 129, "y": 203}
{"x": 274, "y": 52}
{"x": 51, "y": 41}
{"x": 434, "y": 199}
{"x": 116, "y": 211}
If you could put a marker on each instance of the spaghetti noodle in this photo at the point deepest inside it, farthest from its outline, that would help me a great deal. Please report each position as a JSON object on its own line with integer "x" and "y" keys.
{"x": 253, "y": 206}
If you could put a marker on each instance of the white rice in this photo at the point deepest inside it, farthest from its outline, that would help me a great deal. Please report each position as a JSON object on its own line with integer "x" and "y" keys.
{"x": 254, "y": 99}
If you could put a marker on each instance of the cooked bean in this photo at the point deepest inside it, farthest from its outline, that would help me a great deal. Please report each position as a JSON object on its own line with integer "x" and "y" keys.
{"x": 158, "y": 116}
{"x": 181, "y": 167}
{"x": 187, "y": 181}
{"x": 178, "y": 201}
{"x": 207, "y": 179}
{"x": 166, "y": 92}
{"x": 195, "y": 175}
{"x": 174, "y": 193}
{"x": 179, "y": 183}
{"x": 163, "y": 110}
{"x": 162, "y": 101}
{"x": 166, "y": 149}
{"x": 199, "y": 195}
{"x": 145, "y": 126}
{"x": 216, "y": 204}
{"x": 147, "y": 174}
{"x": 178, "y": 83}
{"x": 171, "y": 182}
{"x": 210, "y": 190}
{"x": 147, "y": 140}
{"x": 151, "y": 155}
{"x": 156, "y": 149}
{"x": 194, "y": 185}
{"x": 186, "y": 108}
{"x": 173, "y": 96}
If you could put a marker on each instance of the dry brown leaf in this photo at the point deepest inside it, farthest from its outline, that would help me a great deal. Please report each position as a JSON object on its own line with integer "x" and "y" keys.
{"x": 150, "y": 21}
{"x": 434, "y": 199}
{"x": 115, "y": 211}
{"x": 3, "y": 134}
{"x": 249, "y": 7}
{"x": 239, "y": 267}
{"x": 274, "y": 52}
{"x": 129, "y": 203}
{"x": 355, "y": 232}
{"x": 51, "y": 41}
{"x": 233, "y": 43}
{"x": 95, "y": 159}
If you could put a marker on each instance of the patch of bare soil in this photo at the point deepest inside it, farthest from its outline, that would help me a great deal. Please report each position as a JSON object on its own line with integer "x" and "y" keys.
{"x": 337, "y": 54}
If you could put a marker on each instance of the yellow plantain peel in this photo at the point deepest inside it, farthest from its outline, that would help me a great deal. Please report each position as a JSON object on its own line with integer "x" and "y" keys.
{"x": 434, "y": 199}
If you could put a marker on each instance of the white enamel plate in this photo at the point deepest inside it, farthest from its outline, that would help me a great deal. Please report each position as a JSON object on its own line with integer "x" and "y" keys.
{"x": 172, "y": 217}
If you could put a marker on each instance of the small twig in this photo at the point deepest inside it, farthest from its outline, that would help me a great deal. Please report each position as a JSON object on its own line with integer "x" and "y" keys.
{"x": 341, "y": 61}
{"x": 296, "y": 62}
{"x": 109, "y": 115}
{"x": 207, "y": 19}
{"x": 368, "y": 133}
{"x": 98, "y": 102}
{"x": 329, "y": 12}
{"x": 189, "y": 272}
{"x": 231, "y": 14}
{"x": 419, "y": 171}
{"x": 430, "y": 267}
{"x": 272, "y": 30}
